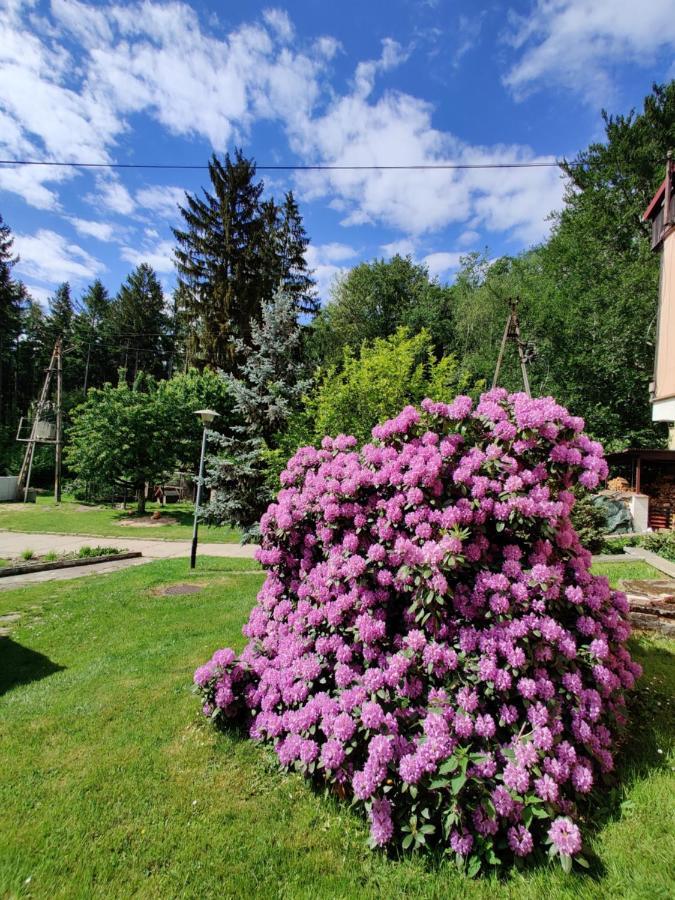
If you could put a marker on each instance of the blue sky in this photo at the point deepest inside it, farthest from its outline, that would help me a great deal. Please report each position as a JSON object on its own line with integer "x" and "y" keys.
{"x": 311, "y": 82}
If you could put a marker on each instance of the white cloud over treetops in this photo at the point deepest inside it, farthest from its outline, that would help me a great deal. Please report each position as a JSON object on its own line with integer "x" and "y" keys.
{"x": 74, "y": 77}
{"x": 576, "y": 43}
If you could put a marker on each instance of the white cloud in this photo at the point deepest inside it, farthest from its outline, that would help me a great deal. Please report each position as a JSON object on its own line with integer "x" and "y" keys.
{"x": 114, "y": 196}
{"x": 327, "y": 47}
{"x": 577, "y": 42}
{"x": 397, "y": 129}
{"x": 392, "y": 55}
{"x": 155, "y": 59}
{"x": 468, "y": 238}
{"x": 159, "y": 256}
{"x": 161, "y": 199}
{"x": 279, "y": 22}
{"x": 323, "y": 259}
{"x": 150, "y": 57}
{"x": 31, "y": 183}
{"x": 102, "y": 231}
{"x": 440, "y": 263}
{"x": 40, "y": 294}
{"x": 403, "y": 247}
{"x": 49, "y": 257}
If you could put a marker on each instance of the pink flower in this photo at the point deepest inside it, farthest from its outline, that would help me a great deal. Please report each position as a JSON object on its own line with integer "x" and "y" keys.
{"x": 427, "y": 597}
{"x": 381, "y": 825}
{"x": 565, "y": 836}
{"x": 520, "y": 840}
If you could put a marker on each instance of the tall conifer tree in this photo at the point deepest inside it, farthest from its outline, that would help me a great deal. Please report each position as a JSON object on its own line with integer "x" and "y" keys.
{"x": 141, "y": 324}
{"x": 234, "y": 251}
{"x": 12, "y": 299}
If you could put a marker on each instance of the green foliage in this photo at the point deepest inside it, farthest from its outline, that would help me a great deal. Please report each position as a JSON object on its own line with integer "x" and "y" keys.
{"x": 374, "y": 299}
{"x": 234, "y": 251}
{"x": 661, "y": 542}
{"x": 87, "y": 552}
{"x": 386, "y": 375}
{"x": 587, "y": 296}
{"x": 589, "y": 523}
{"x": 141, "y": 433}
{"x": 266, "y": 393}
{"x": 141, "y": 323}
{"x": 27, "y": 554}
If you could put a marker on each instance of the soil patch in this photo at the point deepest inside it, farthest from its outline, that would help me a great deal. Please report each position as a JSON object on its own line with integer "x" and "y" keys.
{"x": 174, "y": 590}
{"x": 148, "y": 521}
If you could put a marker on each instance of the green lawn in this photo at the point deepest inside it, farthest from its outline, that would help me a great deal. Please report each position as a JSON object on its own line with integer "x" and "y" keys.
{"x": 626, "y": 571}
{"x": 111, "y": 785}
{"x": 73, "y": 517}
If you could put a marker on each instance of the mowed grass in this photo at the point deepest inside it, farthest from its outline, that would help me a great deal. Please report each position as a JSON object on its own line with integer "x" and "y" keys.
{"x": 112, "y": 785}
{"x": 73, "y": 517}
{"x": 616, "y": 572}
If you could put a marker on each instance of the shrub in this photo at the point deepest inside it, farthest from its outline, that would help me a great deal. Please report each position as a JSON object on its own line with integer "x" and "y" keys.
{"x": 661, "y": 542}
{"x": 429, "y": 641}
{"x": 86, "y": 552}
{"x": 27, "y": 554}
{"x": 589, "y": 522}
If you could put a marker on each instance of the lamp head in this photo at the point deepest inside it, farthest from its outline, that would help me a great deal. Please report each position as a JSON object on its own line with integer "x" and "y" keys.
{"x": 206, "y": 415}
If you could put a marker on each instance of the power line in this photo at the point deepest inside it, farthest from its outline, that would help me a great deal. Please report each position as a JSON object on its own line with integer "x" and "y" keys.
{"x": 289, "y": 168}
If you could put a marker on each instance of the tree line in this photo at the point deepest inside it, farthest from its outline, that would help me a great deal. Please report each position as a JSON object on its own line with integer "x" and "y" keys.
{"x": 245, "y": 305}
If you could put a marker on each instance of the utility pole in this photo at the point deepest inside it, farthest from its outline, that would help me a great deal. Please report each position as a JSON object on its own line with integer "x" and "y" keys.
{"x": 86, "y": 370}
{"x": 35, "y": 437}
{"x": 59, "y": 420}
{"x": 512, "y": 333}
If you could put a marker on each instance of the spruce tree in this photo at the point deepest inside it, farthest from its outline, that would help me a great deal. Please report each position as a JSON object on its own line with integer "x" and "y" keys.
{"x": 141, "y": 326}
{"x": 217, "y": 258}
{"x": 12, "y": 300}
{"x": 61, "y": 314}
{"x": 234, "y": 251}
{"x": 268, "y": 388}
{"x": 295, "y": 276}
{"x": 93, "y": 336}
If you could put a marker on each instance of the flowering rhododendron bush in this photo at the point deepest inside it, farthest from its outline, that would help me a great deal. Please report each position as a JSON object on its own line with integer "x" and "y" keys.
{"x": 429, "y": 640}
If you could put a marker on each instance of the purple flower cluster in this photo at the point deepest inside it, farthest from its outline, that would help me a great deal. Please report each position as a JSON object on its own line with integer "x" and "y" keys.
{"x": 429, "y": 638}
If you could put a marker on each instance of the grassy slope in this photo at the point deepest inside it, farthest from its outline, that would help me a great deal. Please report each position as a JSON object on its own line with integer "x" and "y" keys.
{"x": 103, "y": 521}
{"x": 112, "y": 786}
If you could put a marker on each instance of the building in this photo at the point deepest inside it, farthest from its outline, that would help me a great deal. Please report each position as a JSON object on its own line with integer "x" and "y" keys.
{"x": 661, "y": 214}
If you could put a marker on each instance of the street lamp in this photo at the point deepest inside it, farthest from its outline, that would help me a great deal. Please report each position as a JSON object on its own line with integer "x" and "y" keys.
{"x": 207, "y": 416}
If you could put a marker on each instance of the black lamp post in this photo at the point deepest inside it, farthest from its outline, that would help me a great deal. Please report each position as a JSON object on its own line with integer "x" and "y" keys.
{"x": 207, "y": 416}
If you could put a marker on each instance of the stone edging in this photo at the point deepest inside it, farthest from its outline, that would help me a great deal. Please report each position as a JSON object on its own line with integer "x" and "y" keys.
{"x": 8, "y": 571}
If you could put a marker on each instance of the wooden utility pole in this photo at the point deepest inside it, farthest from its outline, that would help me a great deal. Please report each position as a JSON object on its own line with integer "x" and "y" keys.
{"x": 86, "y": 370}
{"x": 512, "y": 333}
{"x": 35, "y": 437}
{"x": 59, "y": 420}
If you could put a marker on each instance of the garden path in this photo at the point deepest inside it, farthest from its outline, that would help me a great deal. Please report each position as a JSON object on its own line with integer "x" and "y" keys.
{"x": 13, "y": 542}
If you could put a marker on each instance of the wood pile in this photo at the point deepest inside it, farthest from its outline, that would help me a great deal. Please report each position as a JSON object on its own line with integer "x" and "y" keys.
{"x": 661, "y": 493}
{"x": 618, "y": 484}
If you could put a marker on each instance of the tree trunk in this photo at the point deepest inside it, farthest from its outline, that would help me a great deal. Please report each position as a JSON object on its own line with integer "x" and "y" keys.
{"x": 140, "y": 496}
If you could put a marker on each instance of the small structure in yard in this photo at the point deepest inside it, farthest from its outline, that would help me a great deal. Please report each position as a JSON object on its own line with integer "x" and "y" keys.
{"x": 650, "y": 475}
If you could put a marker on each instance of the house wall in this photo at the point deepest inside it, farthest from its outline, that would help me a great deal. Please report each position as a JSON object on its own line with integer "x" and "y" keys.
{"x": 664, "y": 380}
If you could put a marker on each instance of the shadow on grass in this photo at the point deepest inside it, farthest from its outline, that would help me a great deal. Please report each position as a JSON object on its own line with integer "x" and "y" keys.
{"x": 21, "y": 665}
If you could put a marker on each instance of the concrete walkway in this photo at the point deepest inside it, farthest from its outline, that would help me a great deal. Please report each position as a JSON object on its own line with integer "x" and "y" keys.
{"x": 13, "y": 542}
